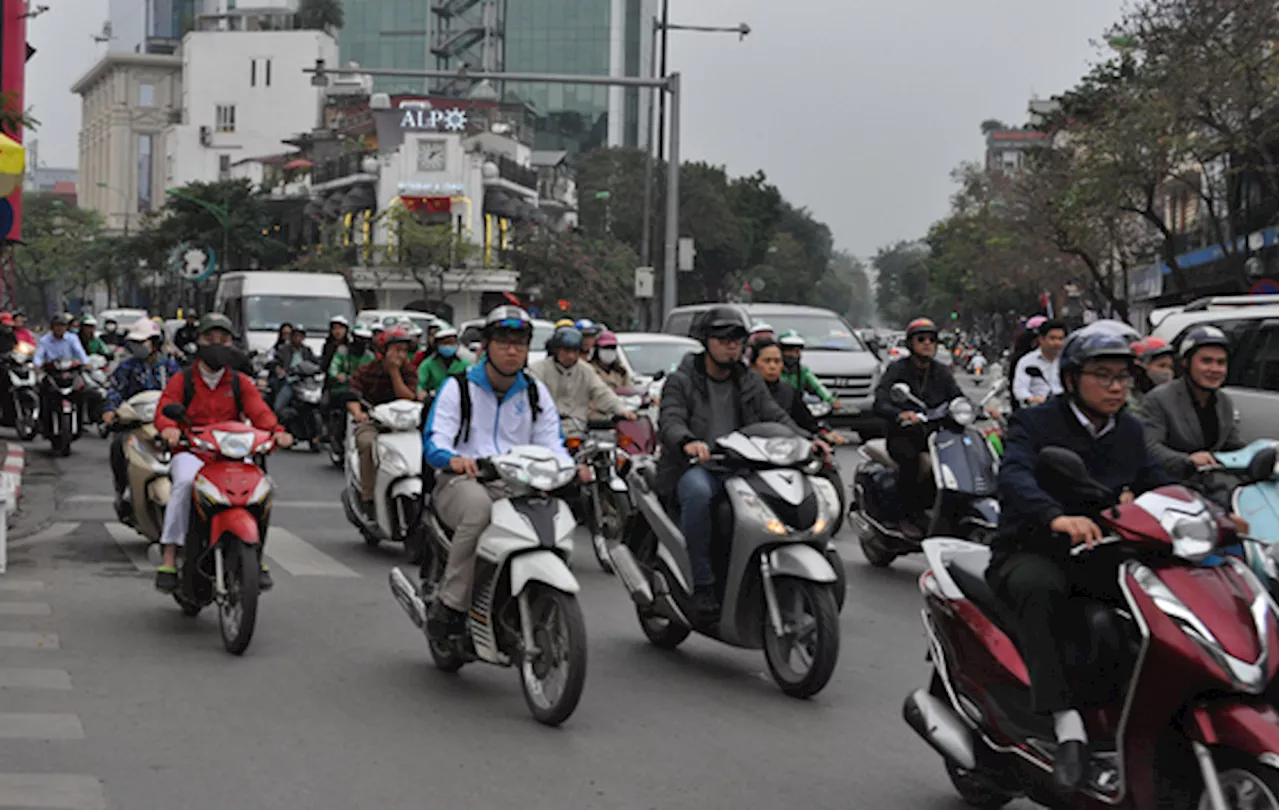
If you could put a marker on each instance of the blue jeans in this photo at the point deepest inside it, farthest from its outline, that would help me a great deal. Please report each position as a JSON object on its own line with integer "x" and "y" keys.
{"x": 283, "y": 397}
{"x": 697, "y": 488}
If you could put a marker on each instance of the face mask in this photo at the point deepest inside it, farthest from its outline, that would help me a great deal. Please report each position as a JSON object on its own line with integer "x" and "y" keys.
{"x": 215, "y": 356}
{"x": 140, "y": 350}
{"x": 1160, "y": 376}
{"x": 791, "y": 363}
{"x": 447, "y": 351}
{"x": 607, "y": 356}
{"x": 111, "y": 329}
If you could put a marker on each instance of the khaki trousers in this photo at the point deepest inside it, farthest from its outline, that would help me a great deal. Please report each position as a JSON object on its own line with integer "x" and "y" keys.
{"x": 465, "y": 505}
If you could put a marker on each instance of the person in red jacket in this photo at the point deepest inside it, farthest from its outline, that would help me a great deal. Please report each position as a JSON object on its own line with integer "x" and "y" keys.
{"x": 213, "y": 400}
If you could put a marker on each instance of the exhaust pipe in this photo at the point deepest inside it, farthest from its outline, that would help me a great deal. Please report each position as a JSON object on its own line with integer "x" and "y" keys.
{"x": 624, "y": 563}
{"x": 940, "y": 727}
{"x": 407, "y": 595}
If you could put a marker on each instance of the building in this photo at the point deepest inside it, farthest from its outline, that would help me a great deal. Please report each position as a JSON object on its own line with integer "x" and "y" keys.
{"x": 590, "y": 37}
{"x": 1007, "y": 148}
{"x": 127, "y": 101}
{"x": 243, "y": 95}
{"x": 44, "y": 178}
{"x": 149, "y": 26}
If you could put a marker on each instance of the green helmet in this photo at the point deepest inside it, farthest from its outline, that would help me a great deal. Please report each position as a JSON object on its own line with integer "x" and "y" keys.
{"x": 88, "y": 320}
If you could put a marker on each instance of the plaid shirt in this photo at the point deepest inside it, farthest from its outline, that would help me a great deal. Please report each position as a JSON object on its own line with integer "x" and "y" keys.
{"x": 372, "y": 382}
{"x": 136, "y": 375}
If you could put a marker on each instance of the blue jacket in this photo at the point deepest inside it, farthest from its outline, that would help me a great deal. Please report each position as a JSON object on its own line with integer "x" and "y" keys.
{"x": 136, "y": 375}
{"x": 496, "y": 426}
{"x": 1117, "y": 460}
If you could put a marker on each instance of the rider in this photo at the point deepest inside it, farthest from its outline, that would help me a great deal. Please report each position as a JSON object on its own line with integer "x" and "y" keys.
{"x": 442, "y": 360}
{"x": 145, "y": 369}
{"x": 608, "y": 363}
{"x": 1031, "y": 567}
{"x": 1154, "y": 367}
{"x": 932, "y": 383}
{"x": 384, "y": 380}
{"x": 710, "y": 394}
{"x": 58, "y": 344}
{"x": 590, "y": 331}
{"x": 20, "y": 330}
{"x": 574, "y": 385}
{"x": 91, "y": 342}
{"x": 765, "y": 358}
{"x": 501, "y": 393}
{"x": 218, "y": 393}
{"x": 339, "y": 330}
{"x": 289, "y": 357}
{"x": 799, "y": 376}
{"x": 348, "y": 358}
{"x": 188, "y": 333}
{"x": 111, "y": 334}
{"x": 1190, "y": 419}
{"x": 1030, "y": 390}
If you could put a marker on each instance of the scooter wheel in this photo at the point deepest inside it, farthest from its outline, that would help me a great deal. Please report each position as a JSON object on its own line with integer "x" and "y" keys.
{"x": 804, "y": 658}
{"x": 873, "y": 551}
{"x": 661, "y": 631}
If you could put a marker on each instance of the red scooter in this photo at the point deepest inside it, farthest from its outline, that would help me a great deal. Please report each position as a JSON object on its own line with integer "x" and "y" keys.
{"x": 1180, "y": 678}
{"x": 221, "y": 560}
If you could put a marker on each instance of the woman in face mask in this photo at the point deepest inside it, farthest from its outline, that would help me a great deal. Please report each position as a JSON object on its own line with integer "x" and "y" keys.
{"x": 443, "y": 361}
{"x": 1154, "y": 367}
{"x": 607, "y": 363}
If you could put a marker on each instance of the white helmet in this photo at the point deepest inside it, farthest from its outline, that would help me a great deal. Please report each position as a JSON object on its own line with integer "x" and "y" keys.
{"x": 342, "y": 319}
{"x": 446, "y": 332}
{"x": 143, "y": 330}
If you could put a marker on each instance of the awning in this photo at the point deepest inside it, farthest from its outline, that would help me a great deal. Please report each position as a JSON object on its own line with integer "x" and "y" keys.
{"x": 359, "y": 197}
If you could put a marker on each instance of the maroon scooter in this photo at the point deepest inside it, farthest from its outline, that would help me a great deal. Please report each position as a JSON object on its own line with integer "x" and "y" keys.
{"x": 1179, "y": 678}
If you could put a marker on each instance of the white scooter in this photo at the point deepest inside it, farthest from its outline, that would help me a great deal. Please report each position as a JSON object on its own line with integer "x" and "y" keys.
{"x": 95, "y": 393}
{"x": 524, "y": 606}
{"x": 398, "y": 487}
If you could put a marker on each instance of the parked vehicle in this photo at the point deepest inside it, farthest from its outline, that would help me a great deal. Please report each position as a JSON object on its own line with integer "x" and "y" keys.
{"x": 398, "y": 488}
{"x": 1182, "y": 674}
{"x": 147, "y": 458}
{"x": 650, "y": 357}
{"x": 222, "y": 558}
{"x": 775, "y": 571}
{"x": 963, "y": 469}
{"x": 62, "y": 392}
{"x": 524, "y": 611}
{"x": 259, "y": 301}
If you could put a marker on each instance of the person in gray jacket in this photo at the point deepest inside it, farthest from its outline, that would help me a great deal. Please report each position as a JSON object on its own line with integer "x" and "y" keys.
{"x": 1187, "y": 420}
{"x": 710, "y": 394}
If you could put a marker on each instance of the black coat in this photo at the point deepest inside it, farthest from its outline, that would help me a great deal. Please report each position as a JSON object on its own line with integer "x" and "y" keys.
{"x": 685, "y": 412}
{"x": 790, "y": 400}
{"x": 934, "y": 386}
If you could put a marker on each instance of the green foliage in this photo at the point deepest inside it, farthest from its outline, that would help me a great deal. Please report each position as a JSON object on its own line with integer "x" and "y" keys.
{"x": 594, "y": 275}
{"x": 845, "y": 288}
{"x": 197, "y": 212}
{"x": 902, "y": 282}
{"x": 59, "y": 250}
{"x": 426, "y": 251}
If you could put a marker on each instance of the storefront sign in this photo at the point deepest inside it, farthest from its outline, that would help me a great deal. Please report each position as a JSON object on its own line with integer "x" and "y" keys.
{"x": 419, "y": 118}
{"x": 412, "y": 188}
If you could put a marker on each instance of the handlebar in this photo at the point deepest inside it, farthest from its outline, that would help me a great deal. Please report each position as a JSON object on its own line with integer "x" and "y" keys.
{"x": 1083, "y": 548}
{"x": 604, "y": 424}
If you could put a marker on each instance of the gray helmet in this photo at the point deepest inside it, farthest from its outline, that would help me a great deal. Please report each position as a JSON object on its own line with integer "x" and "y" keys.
{"x": 1092, "y": 343}
{"x": 723, "y": 320}
{"x": 566, "y": 337}
{"x": 1198, "y": 338}
{"x": 508, "y": 319}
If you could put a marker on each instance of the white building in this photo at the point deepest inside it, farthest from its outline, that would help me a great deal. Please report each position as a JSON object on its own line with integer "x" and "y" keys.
{"x": 243, "y": 94}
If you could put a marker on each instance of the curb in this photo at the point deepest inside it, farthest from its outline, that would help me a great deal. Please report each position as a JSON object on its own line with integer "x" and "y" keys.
{"x": 11, "y": 477}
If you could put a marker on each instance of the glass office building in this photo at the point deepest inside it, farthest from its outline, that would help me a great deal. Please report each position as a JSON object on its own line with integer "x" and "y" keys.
{"x": 388, "y": 34}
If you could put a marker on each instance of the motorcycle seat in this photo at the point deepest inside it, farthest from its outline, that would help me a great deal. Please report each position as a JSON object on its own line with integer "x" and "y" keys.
{"x": 878, "y": 450}
{"x": 968, "y": 571}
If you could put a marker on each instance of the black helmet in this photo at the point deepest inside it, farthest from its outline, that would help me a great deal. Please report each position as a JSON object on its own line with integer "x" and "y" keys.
{"x": 723, "y": 320}
{"x": 1198, "y": 338}
{"x": 1094, "y": 342}
{"x": 507, "y": 319}
{"x": 566, "y": 337}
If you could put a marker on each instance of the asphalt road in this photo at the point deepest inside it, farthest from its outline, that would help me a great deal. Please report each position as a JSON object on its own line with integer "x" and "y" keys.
{"x": 109, "y": 698}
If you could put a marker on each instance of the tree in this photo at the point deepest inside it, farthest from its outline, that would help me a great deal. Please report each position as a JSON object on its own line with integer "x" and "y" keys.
{"x": 229, "y": 216}
{"x": 845, "y": 288}
{"x": 428, "y": 251}
{"x": 52, "y": 259}
{"x": 320, "y": 15}
{"x": 592, "y": 276}
{"x": 902, "y": 280}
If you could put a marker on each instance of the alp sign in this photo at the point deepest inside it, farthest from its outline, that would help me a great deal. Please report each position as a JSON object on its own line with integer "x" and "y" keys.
{"x": 419, "y": 118}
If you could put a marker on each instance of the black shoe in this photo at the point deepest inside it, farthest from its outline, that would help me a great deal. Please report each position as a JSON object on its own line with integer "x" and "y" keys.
{"x": 265, "y": 582}
{"x": 444, "y": 622}
{"x": 706, "y": 606}
{"x": 1069, "y": 764}
{"x": 166, "y": 580}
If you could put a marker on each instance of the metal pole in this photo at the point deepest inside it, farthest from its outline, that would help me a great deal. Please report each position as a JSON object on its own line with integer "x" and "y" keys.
{"x": 673, "y": 200}
{"x": 480, "y": 75}
{"x": 646, "y": 214}
{"x": 662, "y": 71}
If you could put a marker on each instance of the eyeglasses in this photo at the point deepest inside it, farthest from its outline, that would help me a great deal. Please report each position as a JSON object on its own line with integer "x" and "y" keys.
{"x": 1108, "y": 380}
{"x": 510, "y": 341}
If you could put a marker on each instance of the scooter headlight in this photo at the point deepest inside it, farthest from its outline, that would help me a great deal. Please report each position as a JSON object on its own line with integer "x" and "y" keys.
{"x": 828, "y": 503}
{"x": 549, "y": 474}
{"x": 233, "y": 445}
{"x": 962, "y": 411}
{"x": 392, "y": 462}
{"x": 786, "y": 452}
{"x": 756, "y": 510}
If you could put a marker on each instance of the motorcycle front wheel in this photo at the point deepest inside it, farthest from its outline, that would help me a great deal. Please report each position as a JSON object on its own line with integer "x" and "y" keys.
{"x": 803, "y": 658}
{"x": 238, "y": 611}
{"x": 25, "y": 420}
{"x": 553, "y": 678}
{"x": 62, "y": 441}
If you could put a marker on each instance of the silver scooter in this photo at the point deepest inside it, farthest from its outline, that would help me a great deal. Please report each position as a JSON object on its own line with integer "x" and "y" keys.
{"x": 769, "y": 553}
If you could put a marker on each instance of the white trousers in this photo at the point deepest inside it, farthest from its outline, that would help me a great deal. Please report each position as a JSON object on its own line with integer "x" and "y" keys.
{"x": 182, "y": 473}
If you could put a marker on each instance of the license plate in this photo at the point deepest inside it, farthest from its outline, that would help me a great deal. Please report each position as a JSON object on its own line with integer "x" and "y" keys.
{"x": 66, "y": 407}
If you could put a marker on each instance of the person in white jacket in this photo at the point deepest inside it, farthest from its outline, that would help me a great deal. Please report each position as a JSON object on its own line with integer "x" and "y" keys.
{"x": 574, "y": 384}
{"x": 502, "y": 407}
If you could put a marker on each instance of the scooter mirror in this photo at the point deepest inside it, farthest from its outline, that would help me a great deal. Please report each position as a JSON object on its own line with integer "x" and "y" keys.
{"x": 176, "y": 412}
{"x": 1263, "y": 465}
{"x": 900, "y": 393}
{"x": 659, "y": 374}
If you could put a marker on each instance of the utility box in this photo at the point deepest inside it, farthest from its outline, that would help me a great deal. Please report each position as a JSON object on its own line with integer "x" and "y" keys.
{"x": 644, "y": 282}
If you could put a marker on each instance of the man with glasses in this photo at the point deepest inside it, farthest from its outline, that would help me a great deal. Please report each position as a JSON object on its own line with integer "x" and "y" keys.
{"x": 1034, "y": 387}
{"x": 905, "y": 437}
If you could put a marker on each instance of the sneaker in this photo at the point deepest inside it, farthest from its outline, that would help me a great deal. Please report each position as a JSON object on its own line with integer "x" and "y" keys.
{"x": 166, "y": 579}
{"x": 444, "y": 622}
{"x": 265, "y": 582}
{"x": 706, "y": 606}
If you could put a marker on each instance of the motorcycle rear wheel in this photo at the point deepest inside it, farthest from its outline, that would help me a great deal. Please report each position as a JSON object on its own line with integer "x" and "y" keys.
{"x": 561, "y": 636}
{"x": 869, "y": 541}
{"x": 661, "y": 631}
{"x": 238, "y": 611}
{"x": 62, "y": 442}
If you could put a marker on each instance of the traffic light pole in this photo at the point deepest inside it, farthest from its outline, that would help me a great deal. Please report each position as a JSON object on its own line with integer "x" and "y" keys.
{"x": 669, "y": 84}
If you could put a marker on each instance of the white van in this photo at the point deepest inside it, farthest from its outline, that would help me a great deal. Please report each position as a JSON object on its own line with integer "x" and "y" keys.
{"x": 259, "y": 301}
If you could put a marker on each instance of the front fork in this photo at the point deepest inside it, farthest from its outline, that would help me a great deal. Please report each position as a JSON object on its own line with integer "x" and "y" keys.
{"x": 770, "y": 596}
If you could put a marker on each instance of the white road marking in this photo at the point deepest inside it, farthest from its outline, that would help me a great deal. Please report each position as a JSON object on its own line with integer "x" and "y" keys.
{"x": 35, "y": 679}
{"x": 52, "y": 791}
{"x": 300, "y": 558}
{"x": 132, "y": 544}
{"x": 29, "y": 641}
{"x": 274, "y": 504}
{"x": 25, "y": 609}
{"x": 54, "y": 531}
{"x": 40, "y": 727}
{"x": 21, "y": 585}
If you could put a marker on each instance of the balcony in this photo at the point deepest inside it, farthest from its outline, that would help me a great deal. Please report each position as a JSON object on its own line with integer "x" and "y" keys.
{"x": 511, "y": 172}
{"x": 339, "y": 171}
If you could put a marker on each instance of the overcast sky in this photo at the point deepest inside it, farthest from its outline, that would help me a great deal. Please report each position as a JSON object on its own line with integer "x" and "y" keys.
{"x": 867, "y": 145}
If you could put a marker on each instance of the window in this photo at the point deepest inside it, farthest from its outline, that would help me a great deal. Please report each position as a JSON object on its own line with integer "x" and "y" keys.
{"x": 224, "y": 166}
{"x": 1261, "y": 360}
{"x": 225, "y": 118}
{"x": 253, "y": 72}
{"x": 679, "y": 323}
{"x": 145, "y": 163}
{"x": 267, "y": 73}
{"x": 146, "y": 95}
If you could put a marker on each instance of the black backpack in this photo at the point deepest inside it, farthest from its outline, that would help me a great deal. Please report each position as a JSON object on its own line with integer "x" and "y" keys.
{"x": 464, "y": 403}
{"x": 189, "y": 388}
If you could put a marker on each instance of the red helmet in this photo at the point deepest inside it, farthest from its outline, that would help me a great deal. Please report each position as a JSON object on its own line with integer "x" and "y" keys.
{"x": 396, "y": 334}
{"x": 6, "y": 319}
{"x": 921, "y": 326}
{"x": 606, "y": 340}
{"x": 1150, "y": 348}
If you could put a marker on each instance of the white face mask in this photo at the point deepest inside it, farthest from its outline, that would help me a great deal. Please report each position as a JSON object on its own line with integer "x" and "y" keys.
{"x": 607, "y": 356}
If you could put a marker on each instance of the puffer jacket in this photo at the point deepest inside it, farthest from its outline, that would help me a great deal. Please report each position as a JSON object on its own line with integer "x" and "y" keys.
{"x": 576, "y": 391}
{"x": 614, "y": 376}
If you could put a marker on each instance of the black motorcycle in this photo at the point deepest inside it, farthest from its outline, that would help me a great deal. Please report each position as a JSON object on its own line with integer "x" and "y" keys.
{"x": 963, "y": 471}
{"x": 22, "y": 410}
{"x": 62, "y": 394}
{"x": 303, "y": 416}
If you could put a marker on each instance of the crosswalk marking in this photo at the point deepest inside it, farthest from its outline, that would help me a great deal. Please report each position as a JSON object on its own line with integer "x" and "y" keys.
{"x": 35, "y": 679}
{"x": 25, "y": 609}
{"x": 29, "y": 641}
{"x": 132, "y": 544}
{"x": 40, "y": 727}
{"x": 54, "y": 531}
{"x": 52, "y": 791}
{"x": 21, "y": 585}
{"x": 300, "y": 558}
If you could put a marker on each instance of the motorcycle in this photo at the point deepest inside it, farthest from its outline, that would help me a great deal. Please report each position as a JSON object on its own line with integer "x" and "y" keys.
{"x": 993, "y": 426}
{"x": 1251, "y": 471}
{"x": 337, "y": 429}
{"x": 147, "y": 459}
{"x": 63, "y": 391}
{"x": 606, "y": 502}
{"x": 964, "y": 474}
{"x": 775, "y": 570}
{"x": 398, "y": 491}
{"x": 524, "y": 609}
{"x": 95, "y": 394}
{"x": 302, "y": 417}
{"x": 25, "y": 402}
{"x": 1182, "y": 673}
{"x": 221, "y": 560}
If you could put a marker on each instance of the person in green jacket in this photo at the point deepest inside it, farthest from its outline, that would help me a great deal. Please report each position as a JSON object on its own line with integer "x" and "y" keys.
{"x": 799, "y": 376}
{"x": 443, "y": 362}
{"x": 349, "y": 357}
{"x": 90, "y": 341}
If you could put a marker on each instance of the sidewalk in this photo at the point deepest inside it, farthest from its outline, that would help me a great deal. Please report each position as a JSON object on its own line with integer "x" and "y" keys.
{"x": 31, "y": 477}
